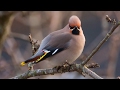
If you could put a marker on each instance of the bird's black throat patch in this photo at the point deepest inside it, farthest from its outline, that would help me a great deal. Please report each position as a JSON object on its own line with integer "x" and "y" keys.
{"x": 75, "y": 31}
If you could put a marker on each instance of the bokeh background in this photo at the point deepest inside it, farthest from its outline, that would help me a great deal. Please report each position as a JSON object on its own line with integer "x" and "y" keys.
{"x": 15, "y": 46}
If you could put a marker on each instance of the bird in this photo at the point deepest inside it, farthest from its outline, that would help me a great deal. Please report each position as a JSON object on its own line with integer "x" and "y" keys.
{"x": 61, "y": 45}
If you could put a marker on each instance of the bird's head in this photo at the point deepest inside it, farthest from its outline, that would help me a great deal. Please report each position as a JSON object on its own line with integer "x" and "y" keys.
{"x": 74, "y": 25}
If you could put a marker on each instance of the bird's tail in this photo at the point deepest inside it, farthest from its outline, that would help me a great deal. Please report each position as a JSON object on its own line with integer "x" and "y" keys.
{"x": 25, "y": 62}
{"x": 28, "y": 60}
{"x": 22, "y": 63}
{"x": 36, "y": 59}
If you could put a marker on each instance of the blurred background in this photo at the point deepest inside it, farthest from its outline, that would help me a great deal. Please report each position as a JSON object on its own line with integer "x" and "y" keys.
{"x": 15, "y": 46}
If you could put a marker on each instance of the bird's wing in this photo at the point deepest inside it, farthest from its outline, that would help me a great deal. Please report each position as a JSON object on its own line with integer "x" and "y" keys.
{"x": 51, "y": 45}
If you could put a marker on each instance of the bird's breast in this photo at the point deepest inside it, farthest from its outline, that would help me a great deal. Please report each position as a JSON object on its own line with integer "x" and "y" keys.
{"x": 70, "y": 54}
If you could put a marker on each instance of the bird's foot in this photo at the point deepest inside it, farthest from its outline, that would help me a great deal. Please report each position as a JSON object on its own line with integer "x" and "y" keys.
{"x": 66, "y": 63}
{"x": 65, "y": 67}
{"x": 60, "y": 69}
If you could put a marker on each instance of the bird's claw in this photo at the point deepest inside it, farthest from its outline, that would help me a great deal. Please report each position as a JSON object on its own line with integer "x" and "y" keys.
{"x": 66, "y": 63}
{"x": 63, "y": 67}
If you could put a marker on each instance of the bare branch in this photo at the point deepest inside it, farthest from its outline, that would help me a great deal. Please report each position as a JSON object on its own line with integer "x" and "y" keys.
{"x": 110, "y": 20}
{"x": 101, "y": 43}
{"x": 52, "y": 71}
{"x": 91, "y": 73}
{"x": 34, "y": 44}
{"x": 92, "y": 65}
{"x": 35, "y": 47}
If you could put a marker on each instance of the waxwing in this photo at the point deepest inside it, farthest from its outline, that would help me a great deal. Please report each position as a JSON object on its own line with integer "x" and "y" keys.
{"x": 61, "y": 45}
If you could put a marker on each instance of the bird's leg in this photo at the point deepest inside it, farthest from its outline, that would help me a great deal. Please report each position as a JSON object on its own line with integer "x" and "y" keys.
{"x": 64, "y": 66}
{"x": 30, "y": 66}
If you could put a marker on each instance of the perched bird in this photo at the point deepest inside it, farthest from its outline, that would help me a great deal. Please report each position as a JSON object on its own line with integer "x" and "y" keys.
{"x": 61, "y": 45}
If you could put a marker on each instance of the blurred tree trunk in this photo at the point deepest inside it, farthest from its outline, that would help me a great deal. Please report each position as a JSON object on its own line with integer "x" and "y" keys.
{"x": 6, "y": 18}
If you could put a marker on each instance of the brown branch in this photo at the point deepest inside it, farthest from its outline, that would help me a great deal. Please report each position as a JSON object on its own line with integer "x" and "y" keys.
{"x": 35, "y": 47}
{"x": 34, "y": 44}
{"x": 101, "y": 43}
{"x": 91, "y": 73}
{"x": 52, "y": 71}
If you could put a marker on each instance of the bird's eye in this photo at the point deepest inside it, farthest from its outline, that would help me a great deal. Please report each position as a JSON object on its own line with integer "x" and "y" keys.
{"x": 74, "y": 27}
{"x": 71, "y": 27}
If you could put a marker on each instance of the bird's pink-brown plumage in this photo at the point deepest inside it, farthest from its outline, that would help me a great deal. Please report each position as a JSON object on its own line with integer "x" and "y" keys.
{"x": 69, "y": 45}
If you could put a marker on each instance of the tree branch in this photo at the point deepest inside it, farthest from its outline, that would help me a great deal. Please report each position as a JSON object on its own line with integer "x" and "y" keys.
{"x": 52, "y": 71}
{"x": 92, "y": 65}
{"x": 91, "y": 73}
{"x": 103, "y": 41}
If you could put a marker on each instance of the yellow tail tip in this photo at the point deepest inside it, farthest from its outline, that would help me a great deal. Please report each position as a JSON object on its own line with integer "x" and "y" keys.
{"x": 22, "y": 63}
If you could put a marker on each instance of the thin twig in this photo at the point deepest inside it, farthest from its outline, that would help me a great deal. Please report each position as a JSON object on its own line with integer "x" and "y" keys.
{"x": 101, "y": 43}
{"x": 34, "y": 44}
{"x": 92, "y": 65}
{"x": 91, "y": 73}
{"x": 110, "y": 20}
{"x": 35, "y": 47}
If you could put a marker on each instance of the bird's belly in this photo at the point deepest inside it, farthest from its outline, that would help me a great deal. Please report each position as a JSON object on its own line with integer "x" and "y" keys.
{"x": 61, "y": 57}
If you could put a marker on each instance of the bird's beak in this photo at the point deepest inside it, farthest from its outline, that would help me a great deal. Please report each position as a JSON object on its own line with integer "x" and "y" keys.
{"x": 77, "y": 28}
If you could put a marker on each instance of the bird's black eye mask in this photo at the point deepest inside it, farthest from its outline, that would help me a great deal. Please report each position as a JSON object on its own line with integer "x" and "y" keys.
{"x": 75, "y": 30}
